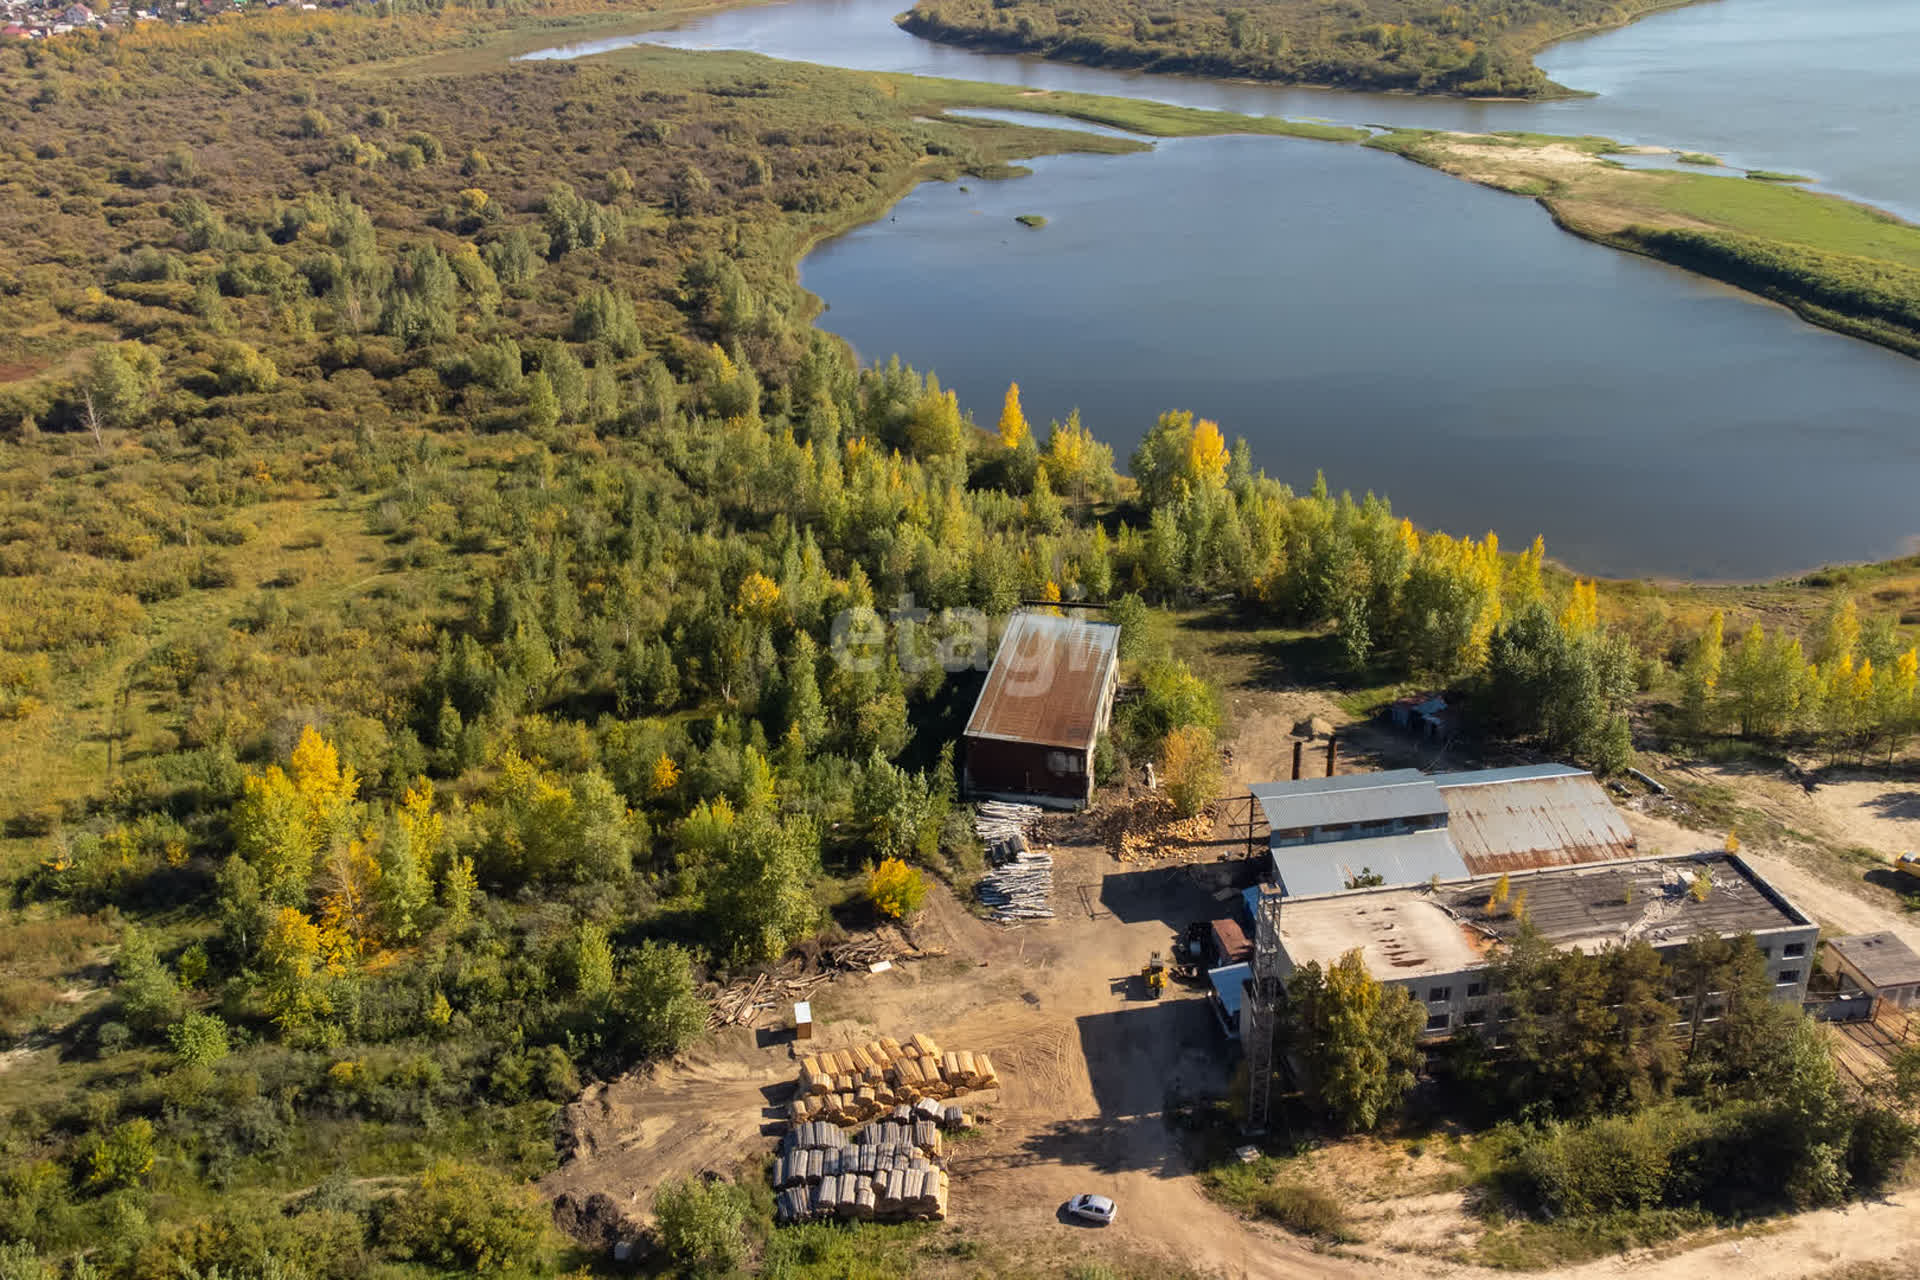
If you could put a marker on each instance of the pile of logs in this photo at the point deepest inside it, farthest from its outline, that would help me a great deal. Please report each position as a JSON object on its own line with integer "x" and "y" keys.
{"x": 1147, "y": 830}
{"x": 854, "y": 1086}
{"x": 818, "y": 1174}
{"x": 868, "y": 949}
{"x": 740, "y": 1004}
{"x": 1020, "y": 885}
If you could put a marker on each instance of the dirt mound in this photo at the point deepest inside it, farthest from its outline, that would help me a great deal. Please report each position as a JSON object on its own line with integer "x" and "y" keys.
{"x": 595, "y": 1221}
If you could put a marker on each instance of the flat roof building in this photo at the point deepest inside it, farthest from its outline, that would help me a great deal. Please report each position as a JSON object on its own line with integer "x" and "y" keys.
{"x": 1438, "y": 940}
{"x": 1047, "y": 699}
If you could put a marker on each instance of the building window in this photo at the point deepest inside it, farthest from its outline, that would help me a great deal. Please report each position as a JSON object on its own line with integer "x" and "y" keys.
{"x": 1794, "y": 950}
{"x": 1475, "y": 1017}
{"x": 1439, "y": 1022}
{"x": 1437, "y": 994}
{"x": 1475, "y": 990}
{"x": 1788, "y": 976}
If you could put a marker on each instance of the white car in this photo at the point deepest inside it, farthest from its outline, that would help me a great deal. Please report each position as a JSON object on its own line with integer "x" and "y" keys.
{"x": 1093, "y": 1209}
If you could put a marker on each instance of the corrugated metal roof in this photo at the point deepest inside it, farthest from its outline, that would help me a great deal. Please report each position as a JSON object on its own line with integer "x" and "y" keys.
{"x": 1534, "y": 821}
{"x": 1047, "y": 683}
{"x": 1327, "y": 867}
{"x": 1880, "y": 958}
{"x": 1349, "y": 798}
{"x": 1516, "y": 773}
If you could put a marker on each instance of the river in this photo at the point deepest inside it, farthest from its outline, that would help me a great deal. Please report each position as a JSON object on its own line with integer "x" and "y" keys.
{"x": 1407, "y": 332}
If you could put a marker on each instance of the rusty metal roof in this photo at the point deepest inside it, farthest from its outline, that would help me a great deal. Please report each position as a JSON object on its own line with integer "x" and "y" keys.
{"x": 1230, "y": 942}
{"x": 1049, "y": 680}
{"x": 1515, "y": 820}
{"x": 1881, "y": 959}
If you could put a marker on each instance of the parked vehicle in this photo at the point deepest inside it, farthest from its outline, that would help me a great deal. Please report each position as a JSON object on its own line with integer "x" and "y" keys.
{"x": 1093, "y": 1209}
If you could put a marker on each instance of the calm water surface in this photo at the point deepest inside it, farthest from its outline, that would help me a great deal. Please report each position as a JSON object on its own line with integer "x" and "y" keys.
{"x": 1407, "y": 332}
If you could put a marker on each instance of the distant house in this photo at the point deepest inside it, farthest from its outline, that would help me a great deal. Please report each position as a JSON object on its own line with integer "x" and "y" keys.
{"x": 1425, "y": 715}
{"x": 15, "y": 31}
{"x": 1047, "y": 700}
{"x": 1880, "y": 965}
{"x": 77, "y": 15}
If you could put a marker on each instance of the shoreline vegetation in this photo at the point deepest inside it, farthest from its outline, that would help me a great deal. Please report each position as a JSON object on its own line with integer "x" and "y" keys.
{"x": 1834, "y": 262}
{"x": 426, "y": 516}
{"x": 1395, "y": 46}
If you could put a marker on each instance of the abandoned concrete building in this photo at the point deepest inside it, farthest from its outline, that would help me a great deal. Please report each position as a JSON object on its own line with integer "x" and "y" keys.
{"x": 1439, "y": 939}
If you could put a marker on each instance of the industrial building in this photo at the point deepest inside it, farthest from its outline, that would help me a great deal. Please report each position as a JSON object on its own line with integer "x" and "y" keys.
{"x": 1047, "y": 700}
{"x": 1879, "y": 965}
{"x": 1403, "y": 827}
{"x": 1439, "y": 940}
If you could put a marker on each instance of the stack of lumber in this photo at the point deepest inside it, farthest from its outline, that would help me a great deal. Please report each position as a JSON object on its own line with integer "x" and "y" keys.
{"x": 1148, "y": 830}
{"x": 1020, "y": 885}
{"x": 862, "y": 1084}
{"x": 818, "y": 1175}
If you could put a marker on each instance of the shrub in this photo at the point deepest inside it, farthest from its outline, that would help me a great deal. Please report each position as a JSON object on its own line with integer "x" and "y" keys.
{"x": 656, "y": 1003}
{"x": 1191, "y": 768}
{"x": 469, "y": 1218}
{"x": 699, "y": 1224}
{"x": 895, "y": 889}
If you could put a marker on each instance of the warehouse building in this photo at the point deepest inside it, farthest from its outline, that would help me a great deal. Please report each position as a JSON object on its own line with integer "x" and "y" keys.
{"x": 1439, "y": 940}
{"x": 1047, "y": 700}
{"x": 1403, "y": 827}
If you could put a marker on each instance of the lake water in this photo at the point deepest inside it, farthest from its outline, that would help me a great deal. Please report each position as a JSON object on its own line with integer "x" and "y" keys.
{"x": 1406, "y": 332}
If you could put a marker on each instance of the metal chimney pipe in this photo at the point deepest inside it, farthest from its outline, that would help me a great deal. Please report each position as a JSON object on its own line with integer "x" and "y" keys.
{"x": 1333, "y": 755}
{"x": 1299, "y": 749}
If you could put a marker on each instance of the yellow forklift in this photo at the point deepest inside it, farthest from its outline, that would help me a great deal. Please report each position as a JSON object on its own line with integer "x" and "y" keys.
{"x": 1155, "y": 975}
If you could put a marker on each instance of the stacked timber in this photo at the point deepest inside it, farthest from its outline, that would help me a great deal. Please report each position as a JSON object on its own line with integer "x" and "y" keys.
{"x": 854, "y": 1086}
{"x": 1020, "y": 884}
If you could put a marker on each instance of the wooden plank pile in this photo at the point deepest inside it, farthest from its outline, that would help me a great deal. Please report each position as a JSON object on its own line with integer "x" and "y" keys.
{"x": 858, "y": 1085}
{"x": 1148, "y": 830}
{"x": 741, "y": 1004}
{"x": 1020, "y": 885}
{"x": 818, "y": 1174}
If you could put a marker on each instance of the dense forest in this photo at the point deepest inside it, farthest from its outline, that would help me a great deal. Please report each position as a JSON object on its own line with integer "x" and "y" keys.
{"x": 1479, "y": 48}
{"x": 445, "y": 610}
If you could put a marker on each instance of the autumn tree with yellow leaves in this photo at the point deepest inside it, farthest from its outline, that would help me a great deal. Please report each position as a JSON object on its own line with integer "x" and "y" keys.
{"x": 1013, "y": 420}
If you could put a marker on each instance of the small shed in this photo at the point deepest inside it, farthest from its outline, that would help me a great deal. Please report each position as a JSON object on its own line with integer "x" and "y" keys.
{"x": 803, "y": 1020}
{"x": 1230, "y": 943}
{"x": 1047, "y": 700}
{"x": 1879, "y": 964}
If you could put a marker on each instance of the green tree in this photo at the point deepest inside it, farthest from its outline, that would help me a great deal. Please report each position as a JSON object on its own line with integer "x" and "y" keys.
{"x": 589, "y": 963}
{"x": 700, "y": 1224}
{"x": 761, "y": 900}
{"x": 199, "y": 1039}
{"x": 118, "y": 389}
{"x": 658, "y": 1009}
{"x": 1359, "y": 1039}
{"x": 120, "y": 1157}
{"x": 468, "y": 1218}
{"x": 149, "y": 996}
{"x": 543, "y": 406}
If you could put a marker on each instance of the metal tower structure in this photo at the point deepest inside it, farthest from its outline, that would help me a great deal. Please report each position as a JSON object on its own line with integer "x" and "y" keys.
{"x": 1263, "y": 1011}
